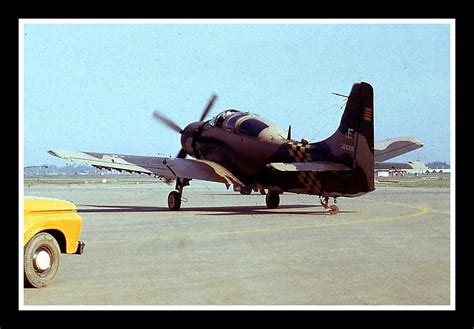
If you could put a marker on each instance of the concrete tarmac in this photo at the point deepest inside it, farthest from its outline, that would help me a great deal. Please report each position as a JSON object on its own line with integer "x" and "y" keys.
{"x": 388, "y": 247}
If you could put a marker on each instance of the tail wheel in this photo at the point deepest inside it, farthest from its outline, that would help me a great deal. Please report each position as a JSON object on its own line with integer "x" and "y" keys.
{"x": 174, "y": 200}
{"x": 333, "y": 209}
{"x": 272, "y": 199}
{"x": 41, "y": 260}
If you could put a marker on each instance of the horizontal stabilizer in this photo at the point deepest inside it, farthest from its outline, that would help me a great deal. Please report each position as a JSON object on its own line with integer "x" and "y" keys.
{"x": 393, "y": 147}
{"x": 308, "y": 166}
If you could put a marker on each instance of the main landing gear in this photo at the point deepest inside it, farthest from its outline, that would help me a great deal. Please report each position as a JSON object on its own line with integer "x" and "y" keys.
{"x": 246, "y": 190}
{"x": 272, "y": 199}
{"x": 333, "y": 209}
{"x": 174, "y": 197}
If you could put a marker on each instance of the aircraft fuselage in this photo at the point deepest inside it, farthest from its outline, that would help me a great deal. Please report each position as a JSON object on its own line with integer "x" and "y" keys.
{"x": 245, "y": 144}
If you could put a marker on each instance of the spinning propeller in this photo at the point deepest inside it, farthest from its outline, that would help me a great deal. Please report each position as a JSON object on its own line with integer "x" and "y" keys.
{"x": 183, "y": 132}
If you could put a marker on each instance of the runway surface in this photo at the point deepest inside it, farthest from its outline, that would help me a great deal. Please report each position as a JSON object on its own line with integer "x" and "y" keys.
{"x": 388, "y": 247}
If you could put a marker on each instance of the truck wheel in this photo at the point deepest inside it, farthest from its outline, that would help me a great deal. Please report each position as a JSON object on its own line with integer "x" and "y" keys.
{"x": 41, "y": 260}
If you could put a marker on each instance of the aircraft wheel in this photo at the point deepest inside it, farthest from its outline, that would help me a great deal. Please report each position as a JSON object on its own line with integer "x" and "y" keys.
{"x": 272, "y": 199}
{"x": 262, "y": 191}
{"x": 333, "y": 209}
{"x": 41, "y": 260}
{"x": 245, "y": 190}
{"x": 174, "y": 200}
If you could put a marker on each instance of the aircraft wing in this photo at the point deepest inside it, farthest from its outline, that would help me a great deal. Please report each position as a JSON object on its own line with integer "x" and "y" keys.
{"x": 392, "y": 147}
{"x": 308, "y": 166}
{"x": 158, "y": 166}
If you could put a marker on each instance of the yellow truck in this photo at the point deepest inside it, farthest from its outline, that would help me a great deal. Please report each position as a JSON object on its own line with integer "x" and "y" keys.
{"x": 51, "y": 227}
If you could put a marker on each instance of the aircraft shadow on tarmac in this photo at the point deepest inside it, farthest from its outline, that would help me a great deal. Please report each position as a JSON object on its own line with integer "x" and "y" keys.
{"x": 213, "y": 211}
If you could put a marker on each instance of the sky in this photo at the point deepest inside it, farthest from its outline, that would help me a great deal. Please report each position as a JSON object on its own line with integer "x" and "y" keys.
{"x": 94, "y": 87}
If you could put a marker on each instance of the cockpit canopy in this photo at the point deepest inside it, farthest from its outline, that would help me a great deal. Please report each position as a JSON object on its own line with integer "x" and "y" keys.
{"x": 245, "y": 123}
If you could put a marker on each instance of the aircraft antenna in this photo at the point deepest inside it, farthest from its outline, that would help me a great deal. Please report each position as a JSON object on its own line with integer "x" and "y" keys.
{"x": 340, "y": 95}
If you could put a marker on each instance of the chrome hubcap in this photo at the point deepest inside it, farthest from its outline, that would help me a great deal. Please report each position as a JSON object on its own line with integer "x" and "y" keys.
{"x": 42, "y": 260}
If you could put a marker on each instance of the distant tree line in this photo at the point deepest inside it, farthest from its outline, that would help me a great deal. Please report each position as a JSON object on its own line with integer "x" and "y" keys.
{"x": 73, "y": 169}
{"x": 438, "y": 165}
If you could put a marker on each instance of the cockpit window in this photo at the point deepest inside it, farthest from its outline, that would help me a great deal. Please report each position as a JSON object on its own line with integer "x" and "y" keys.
{"x": 252, "y": 127}
{"x": 231, "y": 120}
{"x": 219, "y": 119}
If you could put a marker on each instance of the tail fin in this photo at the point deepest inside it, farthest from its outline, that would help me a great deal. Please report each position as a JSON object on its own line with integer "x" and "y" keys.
{"x": 353, "y": 141}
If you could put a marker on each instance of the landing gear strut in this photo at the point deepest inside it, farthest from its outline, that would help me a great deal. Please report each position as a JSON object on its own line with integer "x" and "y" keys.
{"x": 333, "y": 209}
{"x": 174, "y": 197}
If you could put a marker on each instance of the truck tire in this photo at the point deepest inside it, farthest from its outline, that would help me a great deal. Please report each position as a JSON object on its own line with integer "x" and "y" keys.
{"x": 41, "y": 260}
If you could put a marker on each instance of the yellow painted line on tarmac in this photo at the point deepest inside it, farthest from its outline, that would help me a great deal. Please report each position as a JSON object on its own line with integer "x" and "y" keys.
{"x": 420, "y": 211}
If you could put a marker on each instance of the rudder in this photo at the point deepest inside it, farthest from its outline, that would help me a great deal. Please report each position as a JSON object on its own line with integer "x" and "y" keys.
{"x": 353, "y": 141}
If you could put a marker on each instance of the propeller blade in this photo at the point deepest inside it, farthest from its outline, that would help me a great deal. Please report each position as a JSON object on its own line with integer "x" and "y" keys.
{"x": 208, "y": 107}
{"x": 182, "y": 154}
{"x": 160, "y": 117}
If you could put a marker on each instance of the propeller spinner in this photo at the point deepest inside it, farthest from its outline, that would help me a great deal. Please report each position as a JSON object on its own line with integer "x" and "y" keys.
{"x": 187, "y": 133}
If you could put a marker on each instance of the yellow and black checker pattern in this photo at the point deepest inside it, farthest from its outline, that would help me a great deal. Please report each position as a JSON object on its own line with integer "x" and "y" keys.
{"x": 311, "y": 184}
{"x": 301, "y": 153}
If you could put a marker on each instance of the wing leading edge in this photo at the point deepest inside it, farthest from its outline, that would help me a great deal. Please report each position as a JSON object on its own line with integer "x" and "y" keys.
{"x": 158, "y": 166}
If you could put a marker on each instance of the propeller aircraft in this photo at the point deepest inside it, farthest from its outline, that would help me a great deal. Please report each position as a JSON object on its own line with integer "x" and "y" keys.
{"x": 243, "y": 149}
